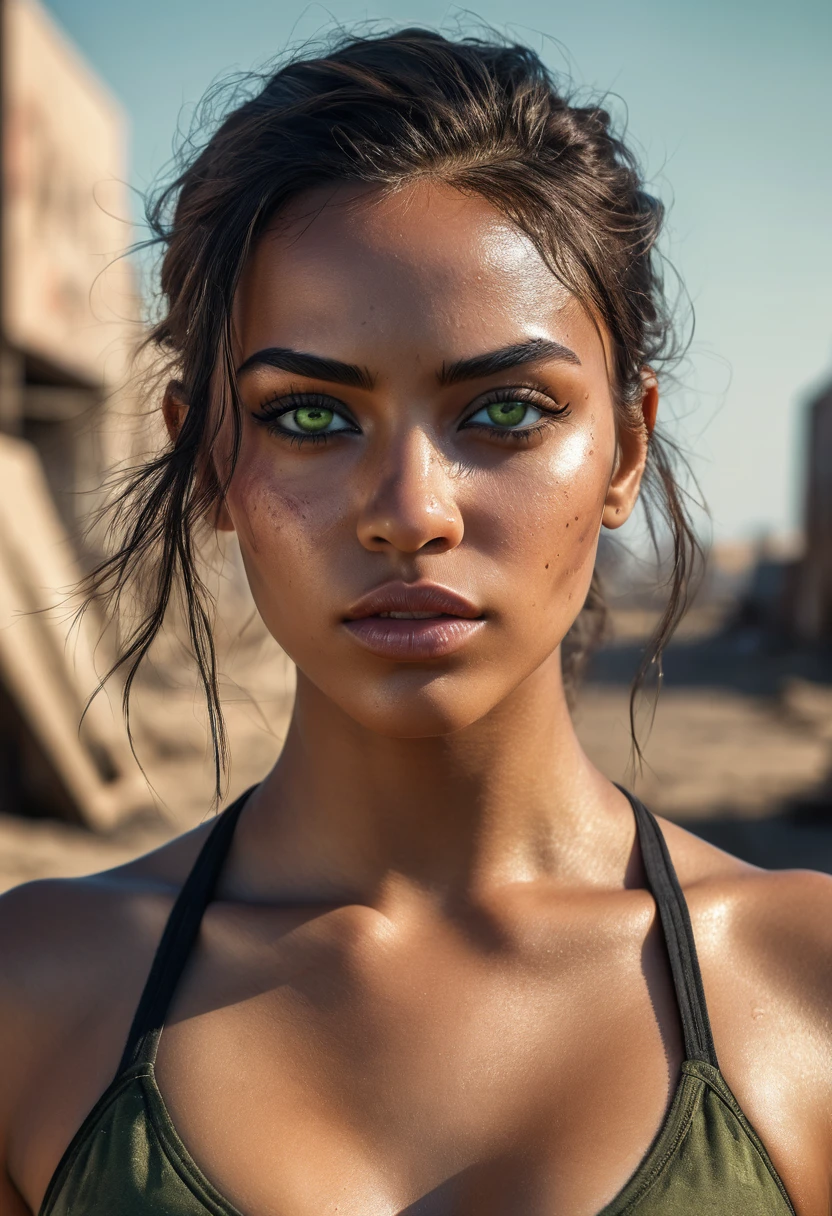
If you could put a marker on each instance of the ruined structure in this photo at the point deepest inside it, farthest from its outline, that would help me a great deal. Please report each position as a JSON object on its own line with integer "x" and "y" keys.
{"x": 67, "y": 328}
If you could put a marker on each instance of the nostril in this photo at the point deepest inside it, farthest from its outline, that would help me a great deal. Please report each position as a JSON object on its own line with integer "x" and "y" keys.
{"x": 409, "y": 530}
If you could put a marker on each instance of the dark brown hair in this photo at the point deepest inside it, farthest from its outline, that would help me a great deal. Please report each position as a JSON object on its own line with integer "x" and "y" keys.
{"x": 488, "y": 119}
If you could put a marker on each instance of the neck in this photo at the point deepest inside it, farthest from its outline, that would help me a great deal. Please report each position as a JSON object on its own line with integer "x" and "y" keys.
{"x": 347, "y": 811}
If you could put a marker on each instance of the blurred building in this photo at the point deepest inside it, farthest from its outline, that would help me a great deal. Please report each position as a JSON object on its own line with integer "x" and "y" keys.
{"x": 67, "y": 327}
{"x": 68, "y": 302}
{"x": 811, "y": 608}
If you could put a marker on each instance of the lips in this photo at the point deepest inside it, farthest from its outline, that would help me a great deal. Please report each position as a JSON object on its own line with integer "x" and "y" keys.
{"x": 412, "y": 599}
{"x": 413, "y": 621}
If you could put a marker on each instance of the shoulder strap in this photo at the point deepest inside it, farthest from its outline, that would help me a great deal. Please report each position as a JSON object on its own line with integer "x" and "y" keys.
{"x": 678, "y": 935}
{"x": 178, "y": 939}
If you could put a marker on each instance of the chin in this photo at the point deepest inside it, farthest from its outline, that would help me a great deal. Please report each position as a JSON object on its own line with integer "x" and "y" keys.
{"x": 438, "y": 708}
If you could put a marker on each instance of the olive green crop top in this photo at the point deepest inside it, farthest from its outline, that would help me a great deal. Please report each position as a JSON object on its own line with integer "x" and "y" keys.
{"x": 127, "y": 1160}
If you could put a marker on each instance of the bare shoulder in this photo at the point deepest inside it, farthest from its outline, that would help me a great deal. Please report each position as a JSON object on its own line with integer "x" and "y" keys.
{"x": 766, "y": 928}
{"x": 74, "y": 956}
{"x": 72, "y": 947}
{"x": 789, "y": 905}
{"x": 764, "y": 941}
{"x": 56, "y": 931}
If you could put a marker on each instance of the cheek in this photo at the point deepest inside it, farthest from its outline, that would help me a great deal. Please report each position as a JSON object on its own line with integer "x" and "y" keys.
{"x": 580, "y": 473}
{"x": 283, "y": 527}
{"x": 547, "y": 517}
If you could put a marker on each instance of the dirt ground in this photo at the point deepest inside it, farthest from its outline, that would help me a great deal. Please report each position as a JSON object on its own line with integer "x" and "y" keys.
{"x": 740, "y": 751}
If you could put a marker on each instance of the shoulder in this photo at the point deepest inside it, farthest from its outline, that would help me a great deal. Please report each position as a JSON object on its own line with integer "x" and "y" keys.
{"x": 74, "y": 957}
{"x": 57, "y": 932}
{"x": 764, "y": 940}
{"x": 780, "y": 919}
{"x": 73, "y": 950}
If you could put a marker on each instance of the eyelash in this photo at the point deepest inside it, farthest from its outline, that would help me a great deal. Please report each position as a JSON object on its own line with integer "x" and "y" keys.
{"x": 530, "y": 396}
{"x": 289, "y": 402}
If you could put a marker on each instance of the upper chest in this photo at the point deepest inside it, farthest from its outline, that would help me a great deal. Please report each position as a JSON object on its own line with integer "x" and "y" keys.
{"x": 402, "y": 1056}
{"x": 344, "y": 1063}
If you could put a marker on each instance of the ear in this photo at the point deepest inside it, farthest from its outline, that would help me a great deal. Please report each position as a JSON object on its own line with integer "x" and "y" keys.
{"x": 625, "y": 483}
{"x": 174, "y": 411}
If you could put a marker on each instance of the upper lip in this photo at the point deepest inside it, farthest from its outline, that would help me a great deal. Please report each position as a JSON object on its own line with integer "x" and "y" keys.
{"x": 412, "y": 597}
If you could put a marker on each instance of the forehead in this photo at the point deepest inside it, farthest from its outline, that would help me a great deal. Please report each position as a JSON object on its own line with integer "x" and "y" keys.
{"x": 425, "y": 269}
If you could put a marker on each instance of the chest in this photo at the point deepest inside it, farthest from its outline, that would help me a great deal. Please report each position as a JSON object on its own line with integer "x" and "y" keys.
{"x": 359, "y": 1071}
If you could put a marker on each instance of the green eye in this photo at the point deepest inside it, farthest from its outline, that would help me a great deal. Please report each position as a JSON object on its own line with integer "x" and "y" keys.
{"x": 507, "y": 413}
{"x": 313, "y": 418}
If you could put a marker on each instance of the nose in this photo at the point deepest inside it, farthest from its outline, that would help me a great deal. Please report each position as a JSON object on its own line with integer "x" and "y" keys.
{"x": 411, "y": 504}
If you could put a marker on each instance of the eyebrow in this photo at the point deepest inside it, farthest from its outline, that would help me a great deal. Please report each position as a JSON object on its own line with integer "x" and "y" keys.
{"x": 316, "y": 367}
{"x": 479, "y": 366}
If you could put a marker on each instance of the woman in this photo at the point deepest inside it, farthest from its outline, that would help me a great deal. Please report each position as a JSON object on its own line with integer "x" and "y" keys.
{"x": 434, "y": 963}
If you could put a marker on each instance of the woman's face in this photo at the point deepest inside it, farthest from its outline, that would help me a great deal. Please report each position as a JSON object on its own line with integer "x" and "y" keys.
{"x": 428, "y": 431}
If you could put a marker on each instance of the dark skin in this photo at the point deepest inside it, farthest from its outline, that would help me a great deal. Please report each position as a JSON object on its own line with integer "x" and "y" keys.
{"x": 432, "y": 981}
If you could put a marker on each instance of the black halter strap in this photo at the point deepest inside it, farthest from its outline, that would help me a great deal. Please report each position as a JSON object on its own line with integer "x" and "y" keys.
{"x": 198, "y": 890}
{"x": 178, "y": 939}
{"x": 678, "y": 935}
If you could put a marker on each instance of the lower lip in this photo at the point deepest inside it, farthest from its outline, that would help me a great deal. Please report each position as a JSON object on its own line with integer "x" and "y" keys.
{"x": 412, "y": 640}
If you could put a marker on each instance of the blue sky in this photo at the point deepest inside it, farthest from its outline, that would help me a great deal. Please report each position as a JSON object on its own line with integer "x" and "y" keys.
{"x": 729, "y": 103}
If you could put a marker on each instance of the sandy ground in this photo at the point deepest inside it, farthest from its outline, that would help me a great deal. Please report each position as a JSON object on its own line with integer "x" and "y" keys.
{"x": 740, "y": 751}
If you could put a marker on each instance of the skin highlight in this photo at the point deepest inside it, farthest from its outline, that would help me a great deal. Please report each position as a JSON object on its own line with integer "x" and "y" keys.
{"x": 432, "y": 937}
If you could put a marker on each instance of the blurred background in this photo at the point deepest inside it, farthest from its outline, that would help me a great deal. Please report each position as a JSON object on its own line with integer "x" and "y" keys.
{"x": 727, "y": 104}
